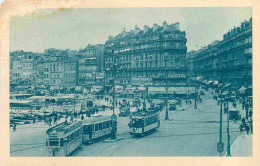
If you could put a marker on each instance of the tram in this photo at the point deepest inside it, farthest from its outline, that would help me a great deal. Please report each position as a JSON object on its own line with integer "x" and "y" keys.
{"x": 64, "y": 138}
{"x": 96, "y": 128}
{"x": 142, "y": 122}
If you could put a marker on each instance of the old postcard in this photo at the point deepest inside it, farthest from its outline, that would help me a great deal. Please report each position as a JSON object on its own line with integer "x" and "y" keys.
{"x": 124, "y": 81}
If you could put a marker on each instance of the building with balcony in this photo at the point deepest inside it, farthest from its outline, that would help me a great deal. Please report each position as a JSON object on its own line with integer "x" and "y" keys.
{"x": 71, "y": 70}
{"x": 87, "y": 71}
{"x": 228, "y": 60}
{"x": 235, "y": 55}
{"x": 206, "y": 62}
{"x": 149, "y": 53}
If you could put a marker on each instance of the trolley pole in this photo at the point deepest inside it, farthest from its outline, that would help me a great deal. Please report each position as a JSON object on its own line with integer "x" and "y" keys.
{"x": 228, "y": 136}
{"x": 220, "y": 145}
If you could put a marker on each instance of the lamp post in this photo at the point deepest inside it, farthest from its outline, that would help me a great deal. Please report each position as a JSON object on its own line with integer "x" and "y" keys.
{"x": 220, "y": 145}
{"x": 228, "y": 135}
{"x": 167, "y": 76}
{"x": 195, "y": 98}
{"x": 114, "y": 117}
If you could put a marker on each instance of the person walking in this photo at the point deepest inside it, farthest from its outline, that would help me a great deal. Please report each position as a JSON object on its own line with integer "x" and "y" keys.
{"x": 247, "y": 129}
{"x": 82, "y": 117}
{"x": 71, "y": 118}
{"x": 14, "y": 127}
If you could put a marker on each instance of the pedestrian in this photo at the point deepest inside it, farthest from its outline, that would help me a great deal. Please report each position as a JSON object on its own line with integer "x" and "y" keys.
{"x": 71, "y": 118}
{"x": 34, "y": 121}
{"x": 82, "y": 117}
{"x": 247, "y": 129}
{"x": 14, "y": 127}
{"x": 55, "y": 119}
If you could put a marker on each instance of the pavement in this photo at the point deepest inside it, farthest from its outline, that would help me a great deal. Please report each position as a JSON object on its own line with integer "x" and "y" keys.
{"x": 242, "y": 146}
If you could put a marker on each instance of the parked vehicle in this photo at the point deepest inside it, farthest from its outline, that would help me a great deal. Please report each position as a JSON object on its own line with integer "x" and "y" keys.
{"x": 234, "y": 114}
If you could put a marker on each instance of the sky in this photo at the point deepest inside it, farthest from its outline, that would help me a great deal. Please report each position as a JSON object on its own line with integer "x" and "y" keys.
{"x": 76, "y": 28}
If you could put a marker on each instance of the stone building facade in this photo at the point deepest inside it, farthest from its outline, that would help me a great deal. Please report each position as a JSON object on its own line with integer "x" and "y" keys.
{"x": 148, "y": 53}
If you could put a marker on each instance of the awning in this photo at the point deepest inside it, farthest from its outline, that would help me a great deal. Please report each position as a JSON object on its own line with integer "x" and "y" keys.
{"x": 209, "y": 82}
{"x": 54, "y": 88}
{"x": 78, "y": 88}
{"x": 227, "y": 85}
{"x": 141, "y": 88}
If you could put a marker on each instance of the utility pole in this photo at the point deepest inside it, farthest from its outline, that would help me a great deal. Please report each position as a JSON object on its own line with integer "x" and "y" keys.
{"x": 228, "y": 136}
{"x": 220, "y": 145}
{"x": 166, "y": 99}
{"x": 195, "y": 98}
{"x": 113, "y": 117}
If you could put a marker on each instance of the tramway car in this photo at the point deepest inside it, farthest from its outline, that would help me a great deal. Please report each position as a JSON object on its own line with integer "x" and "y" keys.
{"x": 142, "y": 122}
{"x": 96, "y": 128}
{"x": 63, "y": 138}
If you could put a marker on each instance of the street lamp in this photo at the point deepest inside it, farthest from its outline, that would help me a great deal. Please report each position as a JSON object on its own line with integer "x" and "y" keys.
{"x": 167, "y": 76}
{"x": 114, "y": 117}
{"x": 228, "y": 135}
{"x": 220, "y": 145}
{"x": 195, "y": 98}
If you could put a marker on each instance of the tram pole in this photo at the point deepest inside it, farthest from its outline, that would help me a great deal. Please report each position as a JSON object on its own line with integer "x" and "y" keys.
{"x": 228, "y": 135}
{"x": 220, "y": 145}
{"x": 166, "y": 99}
{"x": 113, "y": 118}
{"x": 195, "y": 98}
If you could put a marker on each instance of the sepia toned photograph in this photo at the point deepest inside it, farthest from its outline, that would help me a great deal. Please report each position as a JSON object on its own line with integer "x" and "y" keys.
{"x": 131, "y": 82}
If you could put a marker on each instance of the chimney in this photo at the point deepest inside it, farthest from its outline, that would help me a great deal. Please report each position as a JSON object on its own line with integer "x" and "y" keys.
{"x": 137, "y": 30}
{"x": 146, "y": 28}
{"x": 110, "y": 37}
{"x": 155, "y": 27}
{"x": 123, "y": 33}
{"x": 165, "y": 26}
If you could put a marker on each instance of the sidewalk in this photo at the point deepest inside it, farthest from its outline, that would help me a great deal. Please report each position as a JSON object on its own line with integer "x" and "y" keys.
{"x": 242, "y": 146}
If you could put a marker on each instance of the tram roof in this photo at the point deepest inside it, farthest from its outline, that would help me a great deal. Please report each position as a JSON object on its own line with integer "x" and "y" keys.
{"x": 96, "y": 119}
{"x": 63, "y": 127}
{"x": 143, "y": 113}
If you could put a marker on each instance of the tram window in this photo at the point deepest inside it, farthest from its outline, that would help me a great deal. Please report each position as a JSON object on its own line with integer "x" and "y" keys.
{"x": 61, "y": 141}
{"x": 54, "y": 142}
{"x": 96, "y": 127}
{"x": 104, "y": 125}
{"x": 107, "y": 124}
{"x": 92, "y": 127}
{"x": 100, "y": 126}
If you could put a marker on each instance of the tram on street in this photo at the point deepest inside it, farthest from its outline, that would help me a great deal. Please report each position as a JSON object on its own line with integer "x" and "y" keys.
{"x": 144, "y": 121}
{"x": 64, "y": 138}
{"x": 96, "y": 128}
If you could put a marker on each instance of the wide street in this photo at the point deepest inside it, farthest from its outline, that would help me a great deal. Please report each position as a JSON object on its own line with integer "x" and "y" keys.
{"x": 188, "y": 133}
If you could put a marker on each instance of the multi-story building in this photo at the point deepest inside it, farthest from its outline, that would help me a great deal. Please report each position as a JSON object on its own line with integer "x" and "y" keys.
{"x": 96, "y": 51}
{"x": 235, "y": 53}
{"x": 91, "y": 65}
{"x": 150, "y": 53}
{"x": 21, "y": 68}
{"x": 71, "y": 73}
{"x": 54, "y": 67}
{"x": 228, "y": 60}
{"x": 190, "y": 63}
{"x": 206, "y": 62}
{"x": 87, "y": 71}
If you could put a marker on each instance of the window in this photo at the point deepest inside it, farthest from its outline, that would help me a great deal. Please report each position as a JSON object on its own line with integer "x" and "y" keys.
{"x": 96, "y": 127}
{"x": 100, "y": 126}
